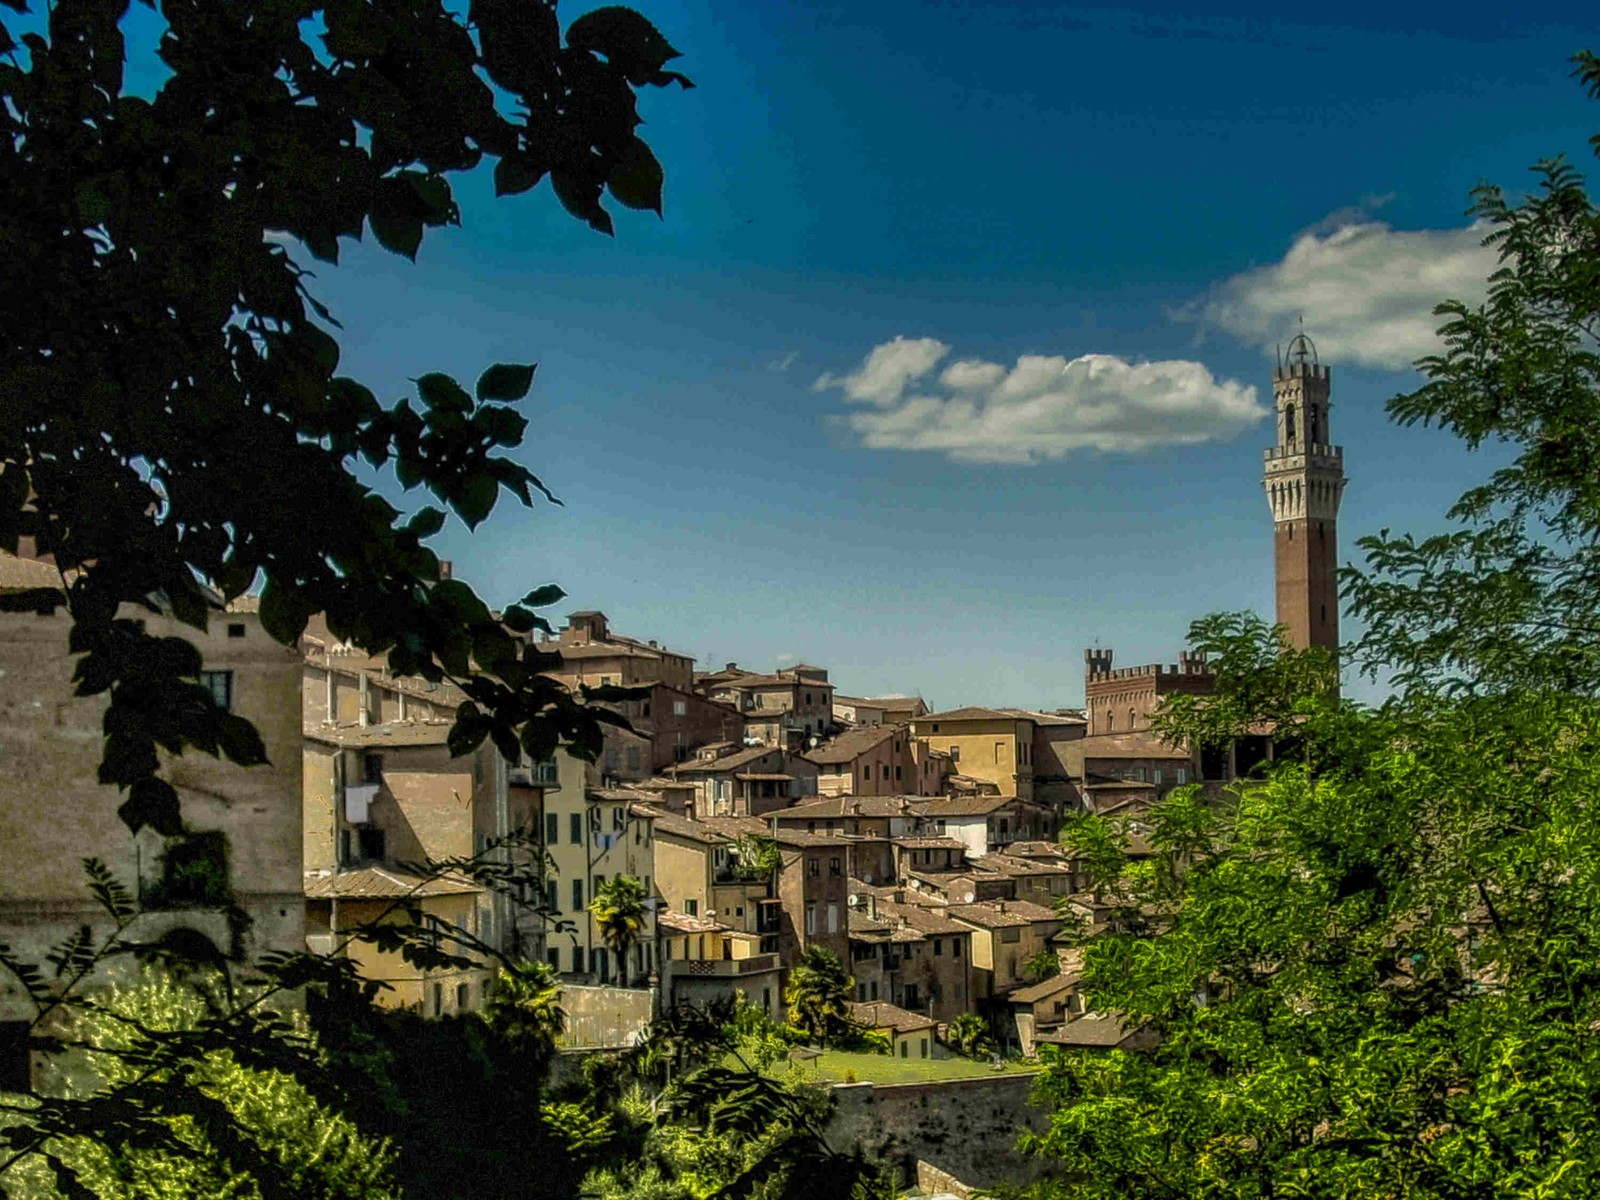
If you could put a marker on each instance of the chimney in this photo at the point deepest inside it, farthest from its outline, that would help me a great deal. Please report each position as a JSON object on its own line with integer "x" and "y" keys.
{"x": 446, "y": 569}
{"x": 733, "y": 666}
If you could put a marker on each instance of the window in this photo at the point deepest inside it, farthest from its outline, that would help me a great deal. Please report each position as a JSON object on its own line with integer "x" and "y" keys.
{"x": 833, "y": 866}
{"x": 924, "y": 1044}
{"x": 371, "y": 842}
{"x": 1181, "y": 775}
{"x": 905, "y": 1049}
{"x": 961, "y": 991}
{"x": 808, "y": 699}
{"x": 998, "y": 748}
{"x": 235, "y": 629}
{"x": 576, "y": 829}
{"x": 811, "y": 918}
{"x": 638, "y": 832}
{"x": 955, "y": 752}
{"x": 874, "y": 989}
{"x": 938, "y": 947}
{"x": 553, "y": 955}
{"x": 680, "y": 708}
{"x": 833, "y": 918}
{"x": 692, "y": 907}
{"x": 1156, "y": 773}
{"x": 599, "y": 881}
{"x": 438, "y": 999}
{"x": 619, "y": 819}
{"x": 577, "y": 895}
{"x": 813, "y": 866}
{"x": 550, "y": 900}
{"x": 633, "y": 758}
{"x": 1011, "y": 935}
{"x": 371, "y": 768}
{"x": 861, "y": 991}
{"x": 220, "y": 685}
{"x": 463, "y": 997}
{"x": 897, "y": 772}
{"x": 552, "y": 829}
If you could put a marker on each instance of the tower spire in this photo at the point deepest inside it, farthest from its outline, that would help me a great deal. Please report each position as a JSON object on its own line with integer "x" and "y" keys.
{"x": 1304, "y": 483}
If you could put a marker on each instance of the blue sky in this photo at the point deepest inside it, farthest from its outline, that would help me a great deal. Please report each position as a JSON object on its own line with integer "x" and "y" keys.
{"x": 1010, "y": 182}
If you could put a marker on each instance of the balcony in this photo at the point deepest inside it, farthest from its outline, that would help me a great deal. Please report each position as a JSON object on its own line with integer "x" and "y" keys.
{"x": 729, "y": 967}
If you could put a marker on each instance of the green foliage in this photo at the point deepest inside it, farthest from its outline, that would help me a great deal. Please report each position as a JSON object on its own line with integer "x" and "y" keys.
{"x": 241, "y": 1129}
{"x": 968, "y": 1034}
{"x": 756, "y": 857}
{"x": 817, "y": 997}
{"x": 172, "y": 416}
{"x": 194, "y": 873}
{"x": 1506, "y": 602}
{"x": 524, "y": 1007}
{"x": 1044, "y": 965}
{"x": 618, "y": 908}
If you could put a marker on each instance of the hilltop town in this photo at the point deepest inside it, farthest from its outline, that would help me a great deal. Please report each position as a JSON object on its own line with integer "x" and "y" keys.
{"x": 763, "y": 813}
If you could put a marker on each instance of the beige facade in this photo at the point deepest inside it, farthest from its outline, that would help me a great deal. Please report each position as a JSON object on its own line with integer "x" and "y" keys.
{"x": 911, "y": 1035}
{"x": 739, "y": 782}
{"x": 593, "y": 834}
{"x": 788, "y": 708}
{"x": 54, "y": 812}
{"x": 984, "y": 743}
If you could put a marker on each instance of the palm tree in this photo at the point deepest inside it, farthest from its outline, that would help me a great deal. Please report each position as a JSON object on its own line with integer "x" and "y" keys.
{"x": 618, "y": 909}
{"x": 968, "y": 1034}
{"x": 818, "y": 996}
{"x": 525, "y": 1007}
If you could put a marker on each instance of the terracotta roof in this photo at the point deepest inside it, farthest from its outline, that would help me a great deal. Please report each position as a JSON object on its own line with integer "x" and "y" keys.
{"x": 1042, "y": 990}
{"x": 934, "y": 807}
{"x": 832, "y": 807}
{"x": 849, "y": 746}
{"x": 895, "y": 702}
{"x": 1005, "y": 864}
{"x": 385, "y": 883}
{"x": 976, "y": 713}
{"x": 915, "y": 842}
{"x": 763, "y": 777}
{"x": 1135, "y": 744}
{"x": 725, "y": 763}
{"x": 880, "y": 1014}
{"x": 1002, "y": 914}
{"x": 1092, "y": 1029}
{"x": 682, "y": 827}
{"x": 18, "y": 573}
{"x": 394, "y": 733}
{"x": 1047, "y": 718}
{"x": 924, "y": 920}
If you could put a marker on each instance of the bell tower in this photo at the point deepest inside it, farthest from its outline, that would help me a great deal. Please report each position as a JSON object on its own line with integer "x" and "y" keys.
{"x": 1304, "y": 483}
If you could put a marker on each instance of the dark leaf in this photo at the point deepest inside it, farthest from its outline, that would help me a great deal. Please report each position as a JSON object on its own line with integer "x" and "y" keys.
{"x": 513, "y": 176}
{"x": 443, "y": 394}
{"x": 152, "y": 802}
{"x": 506, "y": 381}
{"x": 636, "y": 178}
{"x": 543, "y": 595}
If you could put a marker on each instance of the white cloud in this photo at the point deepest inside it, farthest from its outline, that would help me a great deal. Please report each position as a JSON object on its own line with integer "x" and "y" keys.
{"x": 1042, "y": 408}
{"x": 1367, "y": 291}
{"x": 784, "y": 363}
{"x": 882, "y": 378}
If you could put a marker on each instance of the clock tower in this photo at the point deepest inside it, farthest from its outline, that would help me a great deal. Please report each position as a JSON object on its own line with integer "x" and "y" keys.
{"x": 1304, "y": 483}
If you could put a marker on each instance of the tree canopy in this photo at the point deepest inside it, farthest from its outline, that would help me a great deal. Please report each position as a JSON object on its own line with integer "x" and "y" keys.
{"x": 174, "y": 429}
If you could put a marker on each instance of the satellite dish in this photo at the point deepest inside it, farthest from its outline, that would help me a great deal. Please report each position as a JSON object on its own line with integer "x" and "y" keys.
{"x": 854, "y": 902}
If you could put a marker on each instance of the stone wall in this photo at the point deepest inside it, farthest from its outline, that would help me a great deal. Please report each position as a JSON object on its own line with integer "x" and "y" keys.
{"x": 605, "y": 1017}
{"x": 967, "y": 1128}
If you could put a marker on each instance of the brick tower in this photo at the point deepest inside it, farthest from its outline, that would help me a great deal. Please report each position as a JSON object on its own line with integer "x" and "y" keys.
{"x": 1304, "y": 482}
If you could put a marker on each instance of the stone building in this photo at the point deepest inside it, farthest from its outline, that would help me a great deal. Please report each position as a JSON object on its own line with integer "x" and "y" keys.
{"x": 593, "y": 656}
{"x": 244, "y": 837}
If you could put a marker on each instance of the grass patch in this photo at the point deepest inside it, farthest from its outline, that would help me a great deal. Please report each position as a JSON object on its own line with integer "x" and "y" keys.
{"x": 838, "y": 1066}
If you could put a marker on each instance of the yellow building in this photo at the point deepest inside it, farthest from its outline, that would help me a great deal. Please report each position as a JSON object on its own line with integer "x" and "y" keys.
{"x": 984, "y": 743}
{"x": 910, "y": 1034}
{"x": 703, "y": 960}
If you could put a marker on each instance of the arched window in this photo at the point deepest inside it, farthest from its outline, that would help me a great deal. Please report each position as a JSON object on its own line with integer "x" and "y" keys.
{"x": 1288, "y": 422}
